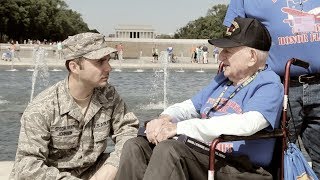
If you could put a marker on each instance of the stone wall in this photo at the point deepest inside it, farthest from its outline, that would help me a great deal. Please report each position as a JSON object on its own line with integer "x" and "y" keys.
{"x": 181, "y": 47}
{"x": 132, "y": 47}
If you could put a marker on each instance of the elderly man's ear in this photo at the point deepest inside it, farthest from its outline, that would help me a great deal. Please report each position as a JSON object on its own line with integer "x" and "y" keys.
{"x": 253, "y": 58}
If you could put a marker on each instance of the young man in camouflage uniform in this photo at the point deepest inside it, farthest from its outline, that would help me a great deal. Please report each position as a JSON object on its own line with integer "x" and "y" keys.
{"x": 64, "y": 129}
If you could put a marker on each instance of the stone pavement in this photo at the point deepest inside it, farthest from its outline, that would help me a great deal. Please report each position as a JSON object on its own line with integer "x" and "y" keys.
{"x": 5, "y": 169}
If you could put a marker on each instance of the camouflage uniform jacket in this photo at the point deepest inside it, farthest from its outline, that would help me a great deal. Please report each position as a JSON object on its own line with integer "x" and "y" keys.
{"x": 57, "y": 142}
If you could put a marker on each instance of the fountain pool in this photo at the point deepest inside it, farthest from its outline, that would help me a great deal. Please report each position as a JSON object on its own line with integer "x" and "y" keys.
{"x": 143, "y": 93}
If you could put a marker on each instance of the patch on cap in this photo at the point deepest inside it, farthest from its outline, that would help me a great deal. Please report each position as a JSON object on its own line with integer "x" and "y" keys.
{"x": 234, "y": 26}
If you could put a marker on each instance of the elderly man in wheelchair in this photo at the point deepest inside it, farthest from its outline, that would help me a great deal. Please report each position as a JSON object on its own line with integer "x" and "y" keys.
{"x": 242, "y": 100}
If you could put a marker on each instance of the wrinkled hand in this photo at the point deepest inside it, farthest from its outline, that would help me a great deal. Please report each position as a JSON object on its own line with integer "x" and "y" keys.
{"x": 167, "y": 131}
{"x": 153, "y": 128}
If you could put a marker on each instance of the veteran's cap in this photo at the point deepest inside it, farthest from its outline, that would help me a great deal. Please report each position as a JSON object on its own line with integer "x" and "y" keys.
{"x": 245, "y": 32}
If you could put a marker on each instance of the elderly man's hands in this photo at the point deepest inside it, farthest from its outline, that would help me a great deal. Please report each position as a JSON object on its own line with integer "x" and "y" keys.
{"x": 160, "y": 129}
{"x": 167, "y": 131}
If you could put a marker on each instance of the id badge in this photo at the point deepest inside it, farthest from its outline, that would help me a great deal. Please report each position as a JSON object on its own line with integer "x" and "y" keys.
{"x": 303, "y": 24}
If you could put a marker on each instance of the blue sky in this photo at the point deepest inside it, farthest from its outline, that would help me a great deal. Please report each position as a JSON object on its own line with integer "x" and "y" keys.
{"x": 165, "y": 16}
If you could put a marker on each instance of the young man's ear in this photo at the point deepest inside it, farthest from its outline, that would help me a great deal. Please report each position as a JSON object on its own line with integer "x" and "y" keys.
{"x": 74, "y": 67}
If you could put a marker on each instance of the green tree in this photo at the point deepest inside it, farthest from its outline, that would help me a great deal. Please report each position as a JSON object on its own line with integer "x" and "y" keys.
{"x": 206, "y": 27}
{"x": 39, "y": 19}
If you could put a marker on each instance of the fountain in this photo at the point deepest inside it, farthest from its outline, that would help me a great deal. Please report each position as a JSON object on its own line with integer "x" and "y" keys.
{"x": 140, "y": 64}
{"x": 159, "y": 83}
{"x": 40, "y": 68}
{"x": 181, "y": 69}
{"x": 163, "y": 74}
{"x": 12, "y": 65}
{"x": 164, "y": 58}
{"x": 56, "y": 70}
{"x": 200, "y": 71}
{"x": 119, "y": 69}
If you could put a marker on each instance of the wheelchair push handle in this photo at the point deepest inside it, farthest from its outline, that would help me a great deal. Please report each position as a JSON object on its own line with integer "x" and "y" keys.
{"x": 300, "y": 63}
{"x": 295, "y": 62}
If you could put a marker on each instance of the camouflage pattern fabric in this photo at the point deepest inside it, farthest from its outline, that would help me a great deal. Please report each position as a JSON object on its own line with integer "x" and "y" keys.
{"x": 88, "y": 45}
{"x": 57, "y": 142}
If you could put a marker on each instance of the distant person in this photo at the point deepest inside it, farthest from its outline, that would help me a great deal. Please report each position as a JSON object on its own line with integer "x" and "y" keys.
{"x": 116, "y": 56}
{"x": 120, "y": 51}
{"x": 17, "y": 51}
{"x": 59, "y": 50}
{"x": 216, "y": 54}
{"x": 192, "y": 51}
{"x": 195, "y": 56}
{"x": 170, "y": 53}
{"x": 199, "y": 54}
{"x": 205, "y": 54}
{"x": 6, "y": 56}
{"x": 155, "y": 54}
{"x": 140, "y": 55}
{"x": 64, "y": 130}
{"x": 12, "y": 49}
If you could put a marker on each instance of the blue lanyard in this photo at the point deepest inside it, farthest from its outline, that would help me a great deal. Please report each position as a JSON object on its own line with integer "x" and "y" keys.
{"x": 205, "y": 114}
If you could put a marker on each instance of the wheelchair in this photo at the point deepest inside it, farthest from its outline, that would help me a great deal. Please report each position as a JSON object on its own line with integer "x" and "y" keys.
{"x": 280, "y": 134}
{"x": 277, "y": 163}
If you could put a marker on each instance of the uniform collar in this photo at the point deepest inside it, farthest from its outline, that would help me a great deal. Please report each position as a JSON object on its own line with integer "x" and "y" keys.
{"x": 68, "y": 105}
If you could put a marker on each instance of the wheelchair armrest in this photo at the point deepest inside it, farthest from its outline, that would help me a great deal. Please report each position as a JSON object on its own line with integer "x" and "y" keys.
{"x": 263, "y": 134}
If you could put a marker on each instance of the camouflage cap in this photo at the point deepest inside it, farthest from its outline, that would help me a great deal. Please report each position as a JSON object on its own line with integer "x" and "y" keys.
{"x": 88, "y": 45}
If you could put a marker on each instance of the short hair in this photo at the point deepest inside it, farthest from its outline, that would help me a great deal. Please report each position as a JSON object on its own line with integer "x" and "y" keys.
{"x": 77, "y": 60}
{"x": 262, "y": 55}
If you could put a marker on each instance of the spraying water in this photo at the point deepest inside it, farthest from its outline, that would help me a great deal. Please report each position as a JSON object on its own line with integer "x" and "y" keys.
{"x": 164, "y": 62}
{"x": 40, "y": 69}
{"x": 140, "y": 66}
{"x": 159, "y": 83}
{"x": 120, "y": 66}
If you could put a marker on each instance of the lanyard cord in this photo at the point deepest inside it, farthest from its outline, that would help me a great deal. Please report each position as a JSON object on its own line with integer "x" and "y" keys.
{"x": 216, "y": 103}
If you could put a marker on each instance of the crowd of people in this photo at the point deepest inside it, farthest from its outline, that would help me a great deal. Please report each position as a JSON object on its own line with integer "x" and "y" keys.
{"x": 12, "y": 52}
{"x": 200, "y": 54}
{"x": 64, "y": 130}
